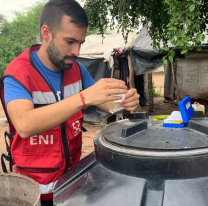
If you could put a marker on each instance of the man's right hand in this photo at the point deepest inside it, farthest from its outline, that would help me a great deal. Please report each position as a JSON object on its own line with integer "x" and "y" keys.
{"x": 103, "y": 90}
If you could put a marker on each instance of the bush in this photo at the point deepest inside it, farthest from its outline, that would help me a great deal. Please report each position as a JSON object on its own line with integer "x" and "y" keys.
{"x": 155, "y": 93}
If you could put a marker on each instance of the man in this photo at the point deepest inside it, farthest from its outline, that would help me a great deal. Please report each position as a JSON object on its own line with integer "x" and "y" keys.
{"x": 42, "y": 98}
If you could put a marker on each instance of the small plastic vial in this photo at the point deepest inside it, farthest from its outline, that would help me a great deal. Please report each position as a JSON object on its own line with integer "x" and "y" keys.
{"x": 114, "y": 105}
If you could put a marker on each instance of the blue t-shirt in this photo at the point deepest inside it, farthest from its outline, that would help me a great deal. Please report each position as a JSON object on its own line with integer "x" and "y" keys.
{"x": 13, "y": 90}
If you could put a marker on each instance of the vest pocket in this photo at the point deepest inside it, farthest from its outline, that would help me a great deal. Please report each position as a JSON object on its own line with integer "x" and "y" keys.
{"x": 38, "y": 169}
{"x": 74, "y": 126}
{"x": 43, "y": 169}
{"x": 74, "y": 136}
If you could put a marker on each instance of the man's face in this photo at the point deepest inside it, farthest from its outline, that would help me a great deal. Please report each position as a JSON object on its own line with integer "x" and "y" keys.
{"x": 64, "y": 47}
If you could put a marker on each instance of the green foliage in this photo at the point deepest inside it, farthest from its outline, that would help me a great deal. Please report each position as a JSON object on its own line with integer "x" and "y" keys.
{"x": 2, "y": 19}
{"x": 170, "y": 59}
{"x": 155, "y": 93}
{"x": 102, "y": 125}
{"x": 192, "y": 7}
{"x": 18, "y": 35}
{"x": 182, "y": 22}
{"x": 165, "y": 61}
{"x": 170, "y": 55}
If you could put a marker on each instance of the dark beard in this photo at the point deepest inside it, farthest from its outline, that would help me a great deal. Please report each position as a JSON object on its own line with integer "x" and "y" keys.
{"x": 57, "y": 59}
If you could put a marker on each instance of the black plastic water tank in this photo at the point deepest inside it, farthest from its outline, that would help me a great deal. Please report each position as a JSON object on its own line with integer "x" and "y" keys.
{"x": 140, "y": 163}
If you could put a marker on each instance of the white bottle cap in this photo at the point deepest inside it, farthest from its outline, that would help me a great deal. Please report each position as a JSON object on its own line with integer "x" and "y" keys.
{"x": 120, "y": 95}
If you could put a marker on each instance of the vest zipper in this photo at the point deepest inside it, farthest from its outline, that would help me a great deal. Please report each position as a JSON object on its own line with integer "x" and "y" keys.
{"x": 65, "y": 145}
{"x": 63, "y": 131}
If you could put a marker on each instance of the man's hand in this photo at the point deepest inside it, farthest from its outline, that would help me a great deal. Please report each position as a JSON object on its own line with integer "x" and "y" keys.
{"x": 103, "y": 90}
{"x": 131, "y": 101}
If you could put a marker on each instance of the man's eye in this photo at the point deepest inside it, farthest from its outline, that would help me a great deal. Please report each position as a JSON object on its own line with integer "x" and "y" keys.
{"x": 70, "y": 42}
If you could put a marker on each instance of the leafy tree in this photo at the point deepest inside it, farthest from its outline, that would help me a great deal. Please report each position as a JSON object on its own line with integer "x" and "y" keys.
{"x": 182, "y": 22}
{"x": 2, "y": 19}
{"x": 19, "y": 34}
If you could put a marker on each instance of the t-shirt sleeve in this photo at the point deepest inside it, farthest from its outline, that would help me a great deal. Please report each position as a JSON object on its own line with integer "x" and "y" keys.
{"x": 13, "y": 90}
{"x": 87, "y": 78}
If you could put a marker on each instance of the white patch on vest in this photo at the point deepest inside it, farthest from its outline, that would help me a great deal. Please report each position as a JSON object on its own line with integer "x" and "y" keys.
{"x": 77, "y": 127}
{"x": 46, "y": 189}
{"x": 72, "y": 89}
{"x": 43, "y": 97}
{"x": 40, "y": 139}
{"x": 49, "y": 98}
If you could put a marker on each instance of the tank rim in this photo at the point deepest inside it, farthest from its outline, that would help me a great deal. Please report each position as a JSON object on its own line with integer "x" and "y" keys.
{"x": 150, "y": 153}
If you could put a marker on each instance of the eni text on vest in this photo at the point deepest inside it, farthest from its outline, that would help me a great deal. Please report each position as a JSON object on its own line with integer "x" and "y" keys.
{"x": 39, "y": 139}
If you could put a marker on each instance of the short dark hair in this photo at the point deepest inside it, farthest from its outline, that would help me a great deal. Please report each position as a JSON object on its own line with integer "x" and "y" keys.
{"x": 54, "y": 10}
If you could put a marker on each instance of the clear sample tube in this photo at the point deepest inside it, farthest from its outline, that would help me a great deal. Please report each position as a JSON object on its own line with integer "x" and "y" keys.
{"x": 115, "y": 105}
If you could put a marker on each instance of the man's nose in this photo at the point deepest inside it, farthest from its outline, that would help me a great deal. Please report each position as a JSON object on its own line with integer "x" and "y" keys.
{"x": 75, "y": 50}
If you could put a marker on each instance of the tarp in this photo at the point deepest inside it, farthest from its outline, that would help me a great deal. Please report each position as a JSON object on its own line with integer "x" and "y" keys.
{"x": 97, "y": 47}
{"x": 144, "y": 41}
{"x": 144, "y": 57}
{"x": 96, "y": 67}
{"x": 146, "y": 60}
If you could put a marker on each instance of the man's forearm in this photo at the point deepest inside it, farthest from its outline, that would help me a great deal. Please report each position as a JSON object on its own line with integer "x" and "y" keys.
{"x": 105, "y": 107}
{"x": 36, "y": 121}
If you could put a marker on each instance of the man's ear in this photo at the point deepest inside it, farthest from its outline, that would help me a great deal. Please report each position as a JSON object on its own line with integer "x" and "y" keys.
{"x": 46, "y": 33}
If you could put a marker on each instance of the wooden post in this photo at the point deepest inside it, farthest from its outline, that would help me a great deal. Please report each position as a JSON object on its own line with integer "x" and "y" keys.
{"x": 175, "y": 82}
{"x": 132, "y": 80}
{"x": 146, "y": 86}
{"x": 131, "y": 74}
{"x": 112, "y": 71}
{"x": 150, "y": 92}
{"x": 117, "y": 74}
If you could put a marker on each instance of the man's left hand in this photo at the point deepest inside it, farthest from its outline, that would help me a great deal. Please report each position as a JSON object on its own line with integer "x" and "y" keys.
{"x": 131, "y": 101}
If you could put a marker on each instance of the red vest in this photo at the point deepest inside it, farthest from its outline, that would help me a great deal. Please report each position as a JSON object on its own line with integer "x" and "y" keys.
{"x": 45, "y": 157}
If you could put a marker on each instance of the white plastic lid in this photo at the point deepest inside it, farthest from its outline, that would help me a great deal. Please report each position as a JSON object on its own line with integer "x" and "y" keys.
{"x": 120, "y": 95}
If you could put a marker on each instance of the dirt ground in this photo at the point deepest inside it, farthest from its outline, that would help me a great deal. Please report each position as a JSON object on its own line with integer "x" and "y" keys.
{"x": 160, "y": 108}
